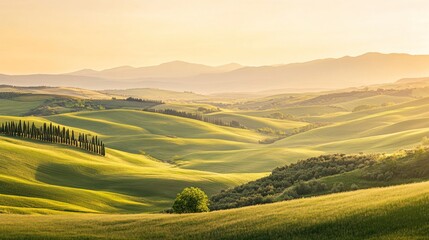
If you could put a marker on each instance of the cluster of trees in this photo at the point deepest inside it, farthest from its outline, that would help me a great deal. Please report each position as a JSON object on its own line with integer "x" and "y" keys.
{"x": 53, "y": 133}
{"x": 279, "y": 115}
{"x": 291, "y": 181}
{"x": 8, "y": 95}
{"x": 314, "y": 187}
{"x": 144, "y": 100}
{"x": 268, "y": 130}
{"x": 61, "y": 104}
{"x": 371, "y": 106}
{"x": 197, "y": 116}
{"x": 306, "y": 128}
{"x": 306, "y": 178}
{"x": 208, "y": 110}
{"x": 403, "y": 164}
{"x": 364, "y": 107}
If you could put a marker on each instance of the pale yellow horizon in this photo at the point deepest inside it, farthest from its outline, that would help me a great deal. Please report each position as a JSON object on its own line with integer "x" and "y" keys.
{"x": 52, "y": 36}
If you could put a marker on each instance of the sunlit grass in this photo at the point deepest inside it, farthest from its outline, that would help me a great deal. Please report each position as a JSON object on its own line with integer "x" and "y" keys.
{"x": 380, "y": 213}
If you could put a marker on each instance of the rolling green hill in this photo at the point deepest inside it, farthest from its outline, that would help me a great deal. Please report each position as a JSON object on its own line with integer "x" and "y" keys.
{"x": 253, "y": 122}
{"x": 327, "y": 174}
{"x": 62, "y": 91}
{"x": 28, "y": 104}
{"x": 152, "y": 156}
{"x": 49, "y": 178}
{"x": 153, "y": 93}
{"x": 400, "y": 212}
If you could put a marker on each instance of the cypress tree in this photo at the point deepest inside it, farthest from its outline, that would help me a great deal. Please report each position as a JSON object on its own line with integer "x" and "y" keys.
{"x": 52, "y": 133}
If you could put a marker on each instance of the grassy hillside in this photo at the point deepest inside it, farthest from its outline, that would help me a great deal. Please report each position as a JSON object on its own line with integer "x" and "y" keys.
{"x": 46, "y": 178}
{"x": 20, "y": 104}
{"x": 153, "y": 93}
{"x": 327, "y": 174}
{"x": 375, "y": 101}
{"x": 27, "y": 104}
{"x": 165, "y": 137}
{"x": 253, "y": 122}
{"x": 378, "y": 130}
{"x": 400, "y": 212}
{"x": 62, "y": 91}
{"x": 151, "y": 156}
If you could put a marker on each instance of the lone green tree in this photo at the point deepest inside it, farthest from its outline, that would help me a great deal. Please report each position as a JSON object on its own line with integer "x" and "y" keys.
{"x": 191, "y": 200}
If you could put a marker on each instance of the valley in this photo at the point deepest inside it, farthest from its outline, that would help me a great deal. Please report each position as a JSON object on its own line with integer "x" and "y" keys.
{"x": 151, "y": 156}
{"x": 261, "y": 120}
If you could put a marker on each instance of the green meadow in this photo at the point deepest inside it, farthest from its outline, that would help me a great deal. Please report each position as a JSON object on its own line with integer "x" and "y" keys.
{"x": 153, "y": 156}
{"x": 399, "y": 212}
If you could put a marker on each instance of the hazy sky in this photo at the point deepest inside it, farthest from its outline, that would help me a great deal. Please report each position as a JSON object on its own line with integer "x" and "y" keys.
{"x": 59, "y": 36}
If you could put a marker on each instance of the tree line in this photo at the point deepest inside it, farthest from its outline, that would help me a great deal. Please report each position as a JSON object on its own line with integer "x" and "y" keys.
{"x": 292, "y": 181}
{"x": 197, "y": 116}
{"x": 142, "y": 100}
{"x": 55, "y": 134}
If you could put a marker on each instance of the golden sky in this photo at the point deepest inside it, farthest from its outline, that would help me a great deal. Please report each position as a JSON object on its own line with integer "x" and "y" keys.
{"x": 52, "y": 36}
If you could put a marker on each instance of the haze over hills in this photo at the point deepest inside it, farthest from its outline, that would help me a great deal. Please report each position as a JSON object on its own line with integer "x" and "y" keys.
{"x": 174, "y": 69}
{"x": 366, "y": 69}
{"x": 214, "y": 120}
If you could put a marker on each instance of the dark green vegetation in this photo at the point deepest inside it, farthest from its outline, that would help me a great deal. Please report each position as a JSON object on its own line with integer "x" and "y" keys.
{"x": 299, "y": 178}
{"x": 45, "y": 105}
{"x": 54, "y": 134}
{"x": 65, "y": 105}
{"x": 191, "y": 200}
{"x": 328, "y": 174}
{"x": 132, "y": 99}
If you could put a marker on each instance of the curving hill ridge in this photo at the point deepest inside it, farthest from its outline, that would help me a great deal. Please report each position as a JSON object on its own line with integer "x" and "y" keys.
{"x": 377, "y": 130}
{"x": 400, "y": 212}
{"x": 151, "y": 157}
{"x": 49, "y": 178}
{"x": 369, "y": 68}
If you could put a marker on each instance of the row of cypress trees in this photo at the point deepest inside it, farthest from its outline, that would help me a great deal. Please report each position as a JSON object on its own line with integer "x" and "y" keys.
{"x": 55, "y": 134}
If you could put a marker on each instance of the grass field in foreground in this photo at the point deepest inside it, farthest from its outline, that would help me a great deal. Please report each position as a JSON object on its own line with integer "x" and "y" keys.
{"x": 400, "y": 212}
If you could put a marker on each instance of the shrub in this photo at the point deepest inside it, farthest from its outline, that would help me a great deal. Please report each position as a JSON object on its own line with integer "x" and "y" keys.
{"x": 338, "y": 187}
{"x": 191, "y": 200}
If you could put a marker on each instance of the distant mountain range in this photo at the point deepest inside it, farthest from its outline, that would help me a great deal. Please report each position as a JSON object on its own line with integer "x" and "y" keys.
{"x": 175, "y": 69}
{"x": 366, "y": 69}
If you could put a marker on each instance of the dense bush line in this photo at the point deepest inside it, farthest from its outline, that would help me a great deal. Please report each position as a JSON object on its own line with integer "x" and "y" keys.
{"x": 57, "y": 105}
{"x": 55, "y": 134}
{"x": 405, "y": 164}
{"x": 143, "y": 100}
{"x": 292, "y": 178}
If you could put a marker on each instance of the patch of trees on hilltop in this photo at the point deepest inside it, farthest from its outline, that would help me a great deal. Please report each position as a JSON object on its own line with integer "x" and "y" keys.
{"x": 197, "y": 116}
{"x": 144, "y": 100}
{"x": 49, "y": 104}
{"x": 292, "y": 181}
{"x": 54, "y": 134}
{"x": 7, "y": 95}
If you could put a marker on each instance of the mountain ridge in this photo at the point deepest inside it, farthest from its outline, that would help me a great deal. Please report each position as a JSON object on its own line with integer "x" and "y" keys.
{"x": 366, "y": 69}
